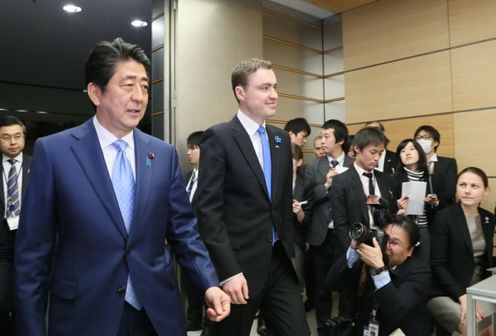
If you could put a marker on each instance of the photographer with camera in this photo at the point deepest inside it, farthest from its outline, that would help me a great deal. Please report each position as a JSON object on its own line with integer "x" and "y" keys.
{"x": 391, "y": 287}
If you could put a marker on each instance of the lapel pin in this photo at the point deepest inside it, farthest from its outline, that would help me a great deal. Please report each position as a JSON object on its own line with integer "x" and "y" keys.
{"x": 486, "y": 219}
{"x": 151, "y": 156}
{"x": 278, "y": 140}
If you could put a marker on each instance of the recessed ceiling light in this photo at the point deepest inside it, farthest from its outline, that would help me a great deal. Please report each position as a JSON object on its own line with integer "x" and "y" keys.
{"x": 139, "y": 23}
{"x": 22, "y": 111}
{"x": 72, "y": 9}
{"x": 42, "y": 112}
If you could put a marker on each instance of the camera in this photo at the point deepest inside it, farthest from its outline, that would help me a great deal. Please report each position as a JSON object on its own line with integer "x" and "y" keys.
{"x": 361, "y": 233}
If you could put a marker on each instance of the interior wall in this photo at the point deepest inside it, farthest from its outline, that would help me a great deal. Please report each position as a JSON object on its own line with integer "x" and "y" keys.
{"x": 426, "y": 62}
{"x": 212, "y": 36}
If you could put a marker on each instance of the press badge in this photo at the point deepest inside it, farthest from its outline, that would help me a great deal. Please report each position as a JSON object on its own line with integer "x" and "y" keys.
{"x": 13, "y": 222}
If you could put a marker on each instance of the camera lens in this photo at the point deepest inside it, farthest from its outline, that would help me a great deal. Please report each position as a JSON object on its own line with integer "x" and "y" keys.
{"x": 357, "y": 231}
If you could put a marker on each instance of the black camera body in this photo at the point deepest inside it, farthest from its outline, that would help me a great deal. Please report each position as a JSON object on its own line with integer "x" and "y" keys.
{"x": 363, "y": 234}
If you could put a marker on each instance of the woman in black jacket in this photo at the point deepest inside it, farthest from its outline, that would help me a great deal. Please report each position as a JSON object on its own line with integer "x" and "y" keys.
{"x": 462, "y": 249}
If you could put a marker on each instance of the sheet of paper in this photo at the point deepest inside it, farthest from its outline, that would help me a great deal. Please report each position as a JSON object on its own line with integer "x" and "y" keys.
{"x": 341, "y": 169}
{"x": 416, "y": 194}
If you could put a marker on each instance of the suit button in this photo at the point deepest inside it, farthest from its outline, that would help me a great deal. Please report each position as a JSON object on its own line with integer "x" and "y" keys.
{"x": 269, "y": 238}
{"x": 121, "y": 289}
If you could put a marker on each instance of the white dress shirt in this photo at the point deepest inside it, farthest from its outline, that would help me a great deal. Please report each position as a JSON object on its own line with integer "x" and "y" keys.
{"x": 6, "y": 168}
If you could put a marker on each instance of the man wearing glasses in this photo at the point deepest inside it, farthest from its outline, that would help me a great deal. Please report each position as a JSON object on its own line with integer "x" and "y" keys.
{"x": 14, "y": 170}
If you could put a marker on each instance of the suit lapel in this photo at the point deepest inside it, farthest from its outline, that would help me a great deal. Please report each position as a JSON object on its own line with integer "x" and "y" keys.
{"x": 356, "y": 185}
{"x": 461, "y": 222}
{"x": 243, "y": 141}
{"x": 2, "y": 198}
{"x": 143, "y": 175}
{"x": 323, "y": 167}
{"x": 26, "y": 167}
{"x": 96, "y": 171}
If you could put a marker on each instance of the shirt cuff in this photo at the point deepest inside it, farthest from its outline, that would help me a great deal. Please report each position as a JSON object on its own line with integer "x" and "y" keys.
{"x": 222, "y": 283}
{"x": 381, "y": 279}
{"x": 351, "y": 257}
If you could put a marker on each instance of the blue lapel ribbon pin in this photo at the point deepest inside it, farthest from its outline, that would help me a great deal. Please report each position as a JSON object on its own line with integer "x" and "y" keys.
{"x": 278, "y": 140}
{"x": 151, "y": 156}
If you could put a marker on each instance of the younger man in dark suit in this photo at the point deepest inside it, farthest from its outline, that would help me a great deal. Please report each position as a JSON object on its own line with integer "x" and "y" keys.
{"x": 299, "y": 130}
{"x": 14, "y": 170}
{"x": 321, "y": 234}
{"x": 396, "y": 292}
{"x": 244, "y": 207}
{"x": 387, "y": 161}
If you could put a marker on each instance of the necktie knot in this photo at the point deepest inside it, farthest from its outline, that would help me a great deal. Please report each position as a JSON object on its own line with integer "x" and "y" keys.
{"x": 120, "y": 145}
{"x": 369, "y": 175}
{"x": 12, "y": 161}
{"x": 261, "y": 130}
{"x": 334, "y": 163}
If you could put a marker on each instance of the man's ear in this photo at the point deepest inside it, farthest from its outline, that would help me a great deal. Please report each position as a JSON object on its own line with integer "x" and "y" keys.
{"x": 240, "y": 92}
{"x": 94, "y": 92}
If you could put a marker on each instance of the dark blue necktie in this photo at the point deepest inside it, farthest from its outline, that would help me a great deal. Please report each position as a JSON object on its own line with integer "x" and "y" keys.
{"x": 125, "y": 192}
{"x": 267, "y": 169}
{"x": 13, "y": 208}
{"x": 334, "y": 163}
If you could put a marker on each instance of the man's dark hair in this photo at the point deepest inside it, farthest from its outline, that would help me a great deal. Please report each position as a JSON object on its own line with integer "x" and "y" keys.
{"x": 104, "y": 57}
{"x": 408, "y": 225}
{"x": 194, "y": 139}
{"x": 240, "y": 73}
{"x": 432, "y": 131}
{"x": 422, "y": 161}
{"x": 298, "y": 125}
{"x": 10, "y": 120}
{"x": 340, "y": 131}
{"x": 368, "y": 136}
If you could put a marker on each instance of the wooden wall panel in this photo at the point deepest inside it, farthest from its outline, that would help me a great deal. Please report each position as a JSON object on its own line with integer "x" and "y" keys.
{"x": 471, "y": 20}
{"x": 397, "y": 130}
{"x": 300, "y": 85}
{"x": 474, "y": 138}
{"x": 474, "y": 76}
{"x": 390, "y": 29}
{"x": 290, "y": 30}
{"x": 416, "y": 86}
{"x": 292, "y": 57}
{"x": 288, "y": 108}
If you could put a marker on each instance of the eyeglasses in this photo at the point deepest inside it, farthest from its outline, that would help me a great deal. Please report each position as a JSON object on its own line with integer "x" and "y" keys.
{"x": 425, "y": 137}
{"x": 10, "y": 137}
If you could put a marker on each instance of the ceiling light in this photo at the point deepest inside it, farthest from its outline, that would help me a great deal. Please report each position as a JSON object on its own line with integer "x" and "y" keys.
{"x": 72, "y": 9}
{"x": 22, "y": 111}
{"x": 139, "y": 23}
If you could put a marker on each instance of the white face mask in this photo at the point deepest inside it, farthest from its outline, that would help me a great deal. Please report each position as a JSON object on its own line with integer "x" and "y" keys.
{"x": 426, "y": 145}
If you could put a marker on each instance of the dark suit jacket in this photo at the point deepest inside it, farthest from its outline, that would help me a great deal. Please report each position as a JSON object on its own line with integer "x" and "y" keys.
{"x": 70, "y": 196}
{"x": 402, "y": 302}
{"x": 235, "y": 214}
{"x": 320, "y": 198}
{"x": 349, "y": 203}
{"x": 7, "y": 237}
{"x": 301, "y": 228}
{"x": 444, "y": 181}
{"x": 389, "y": 163}
{"x": 452, "y": 253}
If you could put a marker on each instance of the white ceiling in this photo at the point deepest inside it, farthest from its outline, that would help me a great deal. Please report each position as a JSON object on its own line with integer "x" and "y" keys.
{"x": 305, "y": 7}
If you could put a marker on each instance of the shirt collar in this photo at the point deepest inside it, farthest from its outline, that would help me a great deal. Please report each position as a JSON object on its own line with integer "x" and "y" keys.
{"x": 106, "y": 138}
{"x": 433, "y": 158}
{"x": 361, "y": 170}
{"x": 248, "y": 124}
{"x": 18, "y": 158}
{"x": 340, "y": 159}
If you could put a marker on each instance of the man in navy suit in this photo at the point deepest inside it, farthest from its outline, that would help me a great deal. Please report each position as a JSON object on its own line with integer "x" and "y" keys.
{"x": 108, "y": 205}
{"x": 244, "y": 208}
{"x": 14, "y": 170}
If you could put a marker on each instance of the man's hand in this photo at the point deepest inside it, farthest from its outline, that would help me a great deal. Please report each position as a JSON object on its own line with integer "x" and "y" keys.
{"x": 371, "y": 255}
{"x": 402, "y": 204}
{"x": 237, "y": 289}
{"x": 298, "y": 211}
{"x": 330, "y": 174}
{"x": 218, "y": 303}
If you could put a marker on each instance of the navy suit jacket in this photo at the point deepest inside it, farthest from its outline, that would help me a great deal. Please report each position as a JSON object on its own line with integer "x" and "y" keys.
{"x": 235, "y": 214}
{"x": 70, "y": 199}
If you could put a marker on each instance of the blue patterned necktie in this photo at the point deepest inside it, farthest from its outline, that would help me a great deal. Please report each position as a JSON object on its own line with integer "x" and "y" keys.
{"x": 192, "y": 182}
{"x": 13, "y": 208}
{"x": 267, "y": 169}
{"x": 125, "y": 192}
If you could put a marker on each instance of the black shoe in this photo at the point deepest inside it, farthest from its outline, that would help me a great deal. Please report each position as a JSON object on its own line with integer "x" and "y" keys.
{"x": 261, "y": 327}
{"x": 193, "y": 326}
{"x": 309, "y": 305}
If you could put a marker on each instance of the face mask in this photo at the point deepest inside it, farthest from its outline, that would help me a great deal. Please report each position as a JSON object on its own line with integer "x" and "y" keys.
{"x": 426, "y": 145}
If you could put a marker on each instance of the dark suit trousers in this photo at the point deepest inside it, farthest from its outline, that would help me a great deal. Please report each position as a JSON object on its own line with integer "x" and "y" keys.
{"x": 7, "y": 317}
{"x": 135, "y": 323}
{"x": 324, "y": 256}
{"x": 280, "y": 303}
